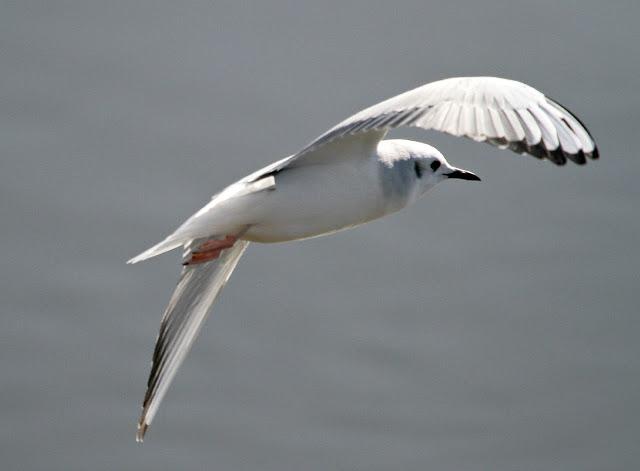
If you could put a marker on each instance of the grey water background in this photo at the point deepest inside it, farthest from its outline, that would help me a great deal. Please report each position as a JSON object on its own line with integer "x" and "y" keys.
{"x": 492, "y": 326}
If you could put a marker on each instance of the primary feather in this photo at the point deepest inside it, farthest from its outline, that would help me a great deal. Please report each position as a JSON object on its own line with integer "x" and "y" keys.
{"x": 501, "y": 112}
{"x": 198, "y": 288}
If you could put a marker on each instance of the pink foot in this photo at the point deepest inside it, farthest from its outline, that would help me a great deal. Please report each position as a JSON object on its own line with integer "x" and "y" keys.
{"x": 210, "y": 250}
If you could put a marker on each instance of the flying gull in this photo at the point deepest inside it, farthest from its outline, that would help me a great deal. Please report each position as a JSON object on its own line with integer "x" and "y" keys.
{"x": 346, "y": 177}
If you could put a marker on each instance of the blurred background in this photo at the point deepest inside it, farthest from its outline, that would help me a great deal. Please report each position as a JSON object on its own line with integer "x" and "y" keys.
{"x": 503, "y": 337}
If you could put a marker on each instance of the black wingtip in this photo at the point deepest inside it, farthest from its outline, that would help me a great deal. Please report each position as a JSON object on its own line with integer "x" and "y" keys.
{"x": 577, "y": 158}
{"x": 557, "y": 156}
{"x": 594, "y": 154}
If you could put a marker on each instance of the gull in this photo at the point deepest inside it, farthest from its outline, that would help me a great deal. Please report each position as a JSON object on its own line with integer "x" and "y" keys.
{"x": 346, "y": 177}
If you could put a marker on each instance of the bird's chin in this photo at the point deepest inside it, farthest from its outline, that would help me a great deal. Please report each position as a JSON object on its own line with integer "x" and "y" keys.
{"x": 425, "y": 188}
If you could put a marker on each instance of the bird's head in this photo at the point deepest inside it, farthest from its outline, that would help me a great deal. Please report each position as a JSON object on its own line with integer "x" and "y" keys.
{"x": 422, "y": 165}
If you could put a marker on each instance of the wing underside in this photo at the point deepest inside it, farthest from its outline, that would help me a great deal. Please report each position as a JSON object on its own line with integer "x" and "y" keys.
{"x": 500, "y": 112}
{"x": 198, "y": 288}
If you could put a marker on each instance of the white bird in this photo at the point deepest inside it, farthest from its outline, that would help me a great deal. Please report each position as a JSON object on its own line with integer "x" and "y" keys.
{"x": 346, "y": 177}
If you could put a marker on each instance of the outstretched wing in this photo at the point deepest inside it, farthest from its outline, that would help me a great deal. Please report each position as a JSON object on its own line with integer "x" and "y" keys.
{"x": 501, "y": 112}
{"x": 197, "y": 289}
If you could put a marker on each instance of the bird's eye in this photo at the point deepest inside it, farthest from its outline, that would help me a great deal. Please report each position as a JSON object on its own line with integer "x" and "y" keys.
{"x": 435, "y": 165}
{"x": 417, "y": 169}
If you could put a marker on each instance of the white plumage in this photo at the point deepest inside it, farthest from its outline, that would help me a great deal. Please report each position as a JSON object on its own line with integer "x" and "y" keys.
{"x": 500, "y": 111}
{"x": 347, "y": 176}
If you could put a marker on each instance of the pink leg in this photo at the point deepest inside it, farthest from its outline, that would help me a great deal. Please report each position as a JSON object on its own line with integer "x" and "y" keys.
{"x": 210, "y": 250}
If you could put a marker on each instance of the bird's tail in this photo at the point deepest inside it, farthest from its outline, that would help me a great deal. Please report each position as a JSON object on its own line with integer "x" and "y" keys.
{"x": 169, "y": 243}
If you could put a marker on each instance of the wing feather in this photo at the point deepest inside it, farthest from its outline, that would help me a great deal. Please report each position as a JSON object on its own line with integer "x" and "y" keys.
{"x": 451, "y": 123}
{"x": 549, "y": 132}
{"x": 490, "y": 130}
{"x": 509, "y": 117}
{"x": 480, "y": 134}
{"x": 441, "y": 114}
{"x": 502, "y": 112}
{"x": 198, "y": 288}
{"x": 532, "y": 132}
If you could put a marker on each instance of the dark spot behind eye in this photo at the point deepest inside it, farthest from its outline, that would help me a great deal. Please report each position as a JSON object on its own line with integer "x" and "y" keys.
{"x": 417, "y": 169}
{"x": 435, "y": 165}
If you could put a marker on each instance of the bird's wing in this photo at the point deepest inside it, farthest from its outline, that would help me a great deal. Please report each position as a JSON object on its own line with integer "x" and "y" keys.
{"x": 362, "y": 143}
{"x": 502, "y": 112}
{"x": 197, "y": 289}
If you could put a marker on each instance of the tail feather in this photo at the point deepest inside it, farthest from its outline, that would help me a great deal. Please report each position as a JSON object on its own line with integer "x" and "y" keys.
{"x": 168, "y": 244}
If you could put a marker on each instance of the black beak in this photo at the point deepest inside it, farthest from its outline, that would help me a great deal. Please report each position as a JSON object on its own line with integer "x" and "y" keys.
{"x": 463, "y": 175}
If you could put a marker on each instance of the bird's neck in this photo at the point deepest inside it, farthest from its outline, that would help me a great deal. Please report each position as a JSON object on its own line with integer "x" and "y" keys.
{"x": 397, "y": 183}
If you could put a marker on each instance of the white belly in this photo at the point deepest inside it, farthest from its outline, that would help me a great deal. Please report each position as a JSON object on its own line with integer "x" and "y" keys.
{"x": 315, "y": 200}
